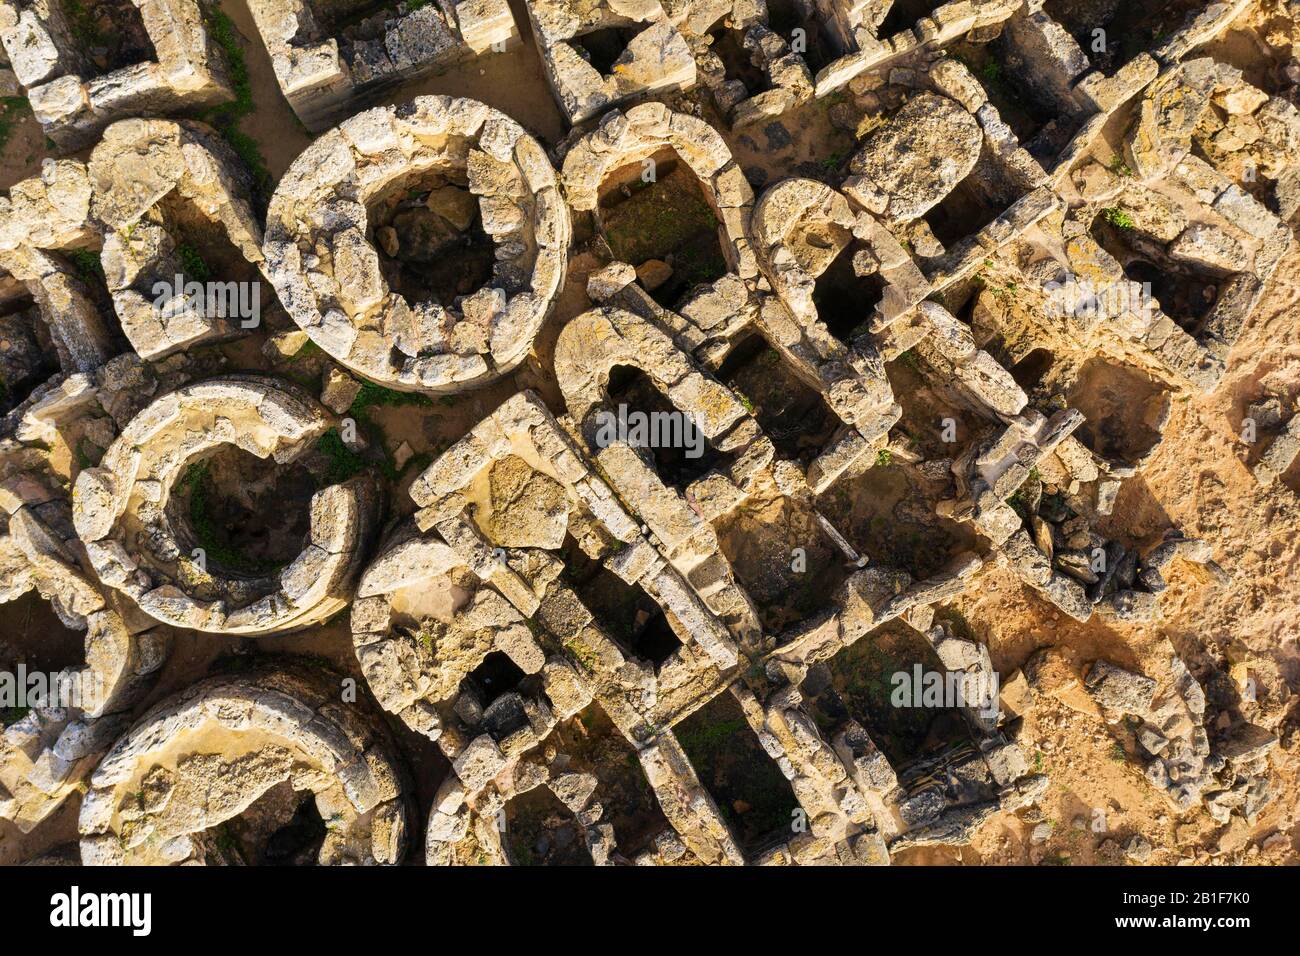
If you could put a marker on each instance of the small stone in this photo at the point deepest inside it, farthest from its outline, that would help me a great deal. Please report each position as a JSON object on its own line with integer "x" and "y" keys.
{"x": 653, "y": 273}
{"x": 1138, "y": 849}
{"x": 456, "y": 205}
{"x": 340, "y": 390}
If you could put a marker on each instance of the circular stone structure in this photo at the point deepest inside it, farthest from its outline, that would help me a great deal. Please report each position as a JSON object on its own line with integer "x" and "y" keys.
{"x": 140, "y": 541}
{"x": 322, "y": 257}
{"x": 220, "y": 772}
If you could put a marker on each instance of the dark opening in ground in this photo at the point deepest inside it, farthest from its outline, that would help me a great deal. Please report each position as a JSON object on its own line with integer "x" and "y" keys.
{"x": 845, "y": 301}
{"x": 904, "y": 14}
{"x": 743, "y": 780}
{"x": 497, "y": 688}
{"x": 298, "y": 841}
{"x": 430, "y": 240}
{"x": 601, "y": 48}
{"x": 33, "y": 632}
{"x": 864, "y": 677}
{"x": 796, "y": 23}
{"x": 248, "y": 514}
{"x": 1039, "y": 124}
{"x": 27, "y": 356}
{"x": 1185, "y": 297}
{"x": 336, "y": 17}
{"x": 1127, "y": 27}
{"x": 497, "y": 675}
{"x": 282, "y": 827}
{"x": 541, "y": 831}
{"x": 963, "y": 212}
{"x": 109, "y": 33}
{"x": 681, "y": 454}
{"x": 592, "y": 740}
{"x": 1121, "y": 409}
{"x": 203, "y": 250}
{"x": 629, "y": 616}
{"x": 791, "y": 413}
{"x": 729, "y": 47}
{"x": 1029, "y": 371}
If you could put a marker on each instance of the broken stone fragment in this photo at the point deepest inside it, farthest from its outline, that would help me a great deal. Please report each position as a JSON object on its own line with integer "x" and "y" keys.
{"x": 1119, "y": 690}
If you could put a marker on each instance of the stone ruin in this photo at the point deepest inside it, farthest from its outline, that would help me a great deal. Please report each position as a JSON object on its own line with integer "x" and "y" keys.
{"x": 140, "y": 540}
{"x": 121, "y": 58}
{"x": 327, "y": 66}
{"x": 478, "y": 321}
{"x": 899, "y": 366}
{"x": 757, "y": 59}
{"x": 150, "y": 179}
{"x": 214, "y": 773}
{"x": 47, "y": 754}
{"x": 151, "y": 191}
{"x": 46, "y": 220}
{"x": 598, "y": 55}
{"x": 574, "y": 654}
{"x": 1170, "y": 733}
{"x": 1283, "y": 445}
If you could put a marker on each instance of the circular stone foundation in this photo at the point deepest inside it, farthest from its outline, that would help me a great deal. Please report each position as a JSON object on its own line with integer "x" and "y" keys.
{"x": 266, "y": 765}
{"x": 149, "y": 514}
{"x": 389, "y": 198}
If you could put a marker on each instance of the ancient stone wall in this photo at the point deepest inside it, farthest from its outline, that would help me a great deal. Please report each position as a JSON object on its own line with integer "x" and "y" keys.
{"x": 928, "y": 361}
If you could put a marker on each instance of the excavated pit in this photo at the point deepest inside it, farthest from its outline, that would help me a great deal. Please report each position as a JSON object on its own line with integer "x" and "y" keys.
{"x": 631, "y": 618}
{"x": 682, "y": 458}
{"x": 884, "y": 511}
{"x": 862, "y": 684}
{"x": 793, "y": 414}
{"x": 280, "y": 828}
{"x": 1112, "y": 32}
{"x": 429, "y": 235}
{"x": 1185, "y": 296}
{"x": 904, "y": 14}
{"x": 248, "y": 514}
{"x": 844, "y": 299}
{"x": 602, "y": 48}
{"x": 752, "y": 795}
{"x": 1122, "y": 410}
{"x": 541, "y": 831}
{"x": 110, "y": 34}
{"x": 667, "y": 221}
{"x": 27, "y": 356}
{"x": 782, "y": 556}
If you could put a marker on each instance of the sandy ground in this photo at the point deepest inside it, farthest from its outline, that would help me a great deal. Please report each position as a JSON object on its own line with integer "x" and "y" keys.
{"x": 1197, "y": 481}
